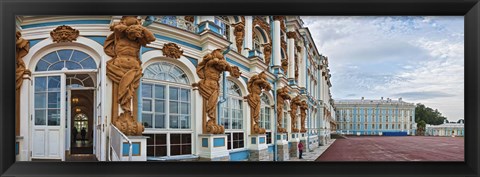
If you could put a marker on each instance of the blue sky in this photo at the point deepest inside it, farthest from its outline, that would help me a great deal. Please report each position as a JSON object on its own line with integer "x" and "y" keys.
{"x": 417, "y": 58}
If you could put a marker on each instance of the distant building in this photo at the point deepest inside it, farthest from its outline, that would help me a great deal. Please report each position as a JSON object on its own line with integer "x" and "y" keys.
{"x": 446, "y": 129}
{"x": 375, "y": 117}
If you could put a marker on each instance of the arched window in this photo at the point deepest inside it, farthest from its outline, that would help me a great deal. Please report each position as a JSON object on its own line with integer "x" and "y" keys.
{"x": 166, "y": 106}
{"x": 232, "y": 115}
{"x": 265, "y": 118}
{"x": 65, "y": 58}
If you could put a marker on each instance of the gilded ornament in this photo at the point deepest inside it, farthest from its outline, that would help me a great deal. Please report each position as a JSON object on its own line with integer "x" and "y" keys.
{"x": 64, "y": 34}
{"x": 172, "y": 50}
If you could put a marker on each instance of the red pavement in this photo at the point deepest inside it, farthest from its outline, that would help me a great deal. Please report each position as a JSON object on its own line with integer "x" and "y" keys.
{"x": 395, "y": 148}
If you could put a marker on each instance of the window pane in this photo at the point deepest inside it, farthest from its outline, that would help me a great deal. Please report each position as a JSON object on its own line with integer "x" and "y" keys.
{"x": 160, "y": 139}
{"x": 173, "y": 93}
{"x": 51, "y": 57}
{"x": 160, "y": 151}
{"x": 78, "y": 56}
{"x": 175, "y": 138}
{"x": 160, "y": 106}
{"x": 186, "y": 138}
{"x": 40, "y": 83}
{"x": 160, "y": 91}
{"x": 40, "y": 100}
{"x": 53, "y": 117}
{"x": 150, "y": 139}
{"x": 57, "y": 66}
{"x": 147, "y": 120}
{"x": 147, "y": 105}
{"x": 65, "y": 54}
{"x": 40, "y": 117}
{"x": 186, "y": 149}
{"x": 173, "y": 121}
{"x": 72, "y": 65}
{"x": 185, "y": 108}
{"x": 54, "y": 83}
{"x": 185, "y": 122}
{"x": 173, "y": 107}
{"x": 159, "y": 121}
{"x": 54, "y": 100}
{"x": 150, "y": 150}
{"x": 89, "y": 63}
{"x": 41, "y": 66}
{"x": 185, "y": 95}
{"x": 175, "y": 149}
{"x": 147, "y": 90}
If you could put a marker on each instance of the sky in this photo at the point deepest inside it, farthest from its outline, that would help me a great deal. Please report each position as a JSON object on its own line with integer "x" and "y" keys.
{"x": 417, "y": 58}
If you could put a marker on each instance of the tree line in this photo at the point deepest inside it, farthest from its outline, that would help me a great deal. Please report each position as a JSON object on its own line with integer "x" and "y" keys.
{"x": 426, "y": 115}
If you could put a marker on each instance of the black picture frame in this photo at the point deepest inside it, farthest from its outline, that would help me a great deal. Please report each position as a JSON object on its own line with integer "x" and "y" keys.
{"x": 470, "y": 9}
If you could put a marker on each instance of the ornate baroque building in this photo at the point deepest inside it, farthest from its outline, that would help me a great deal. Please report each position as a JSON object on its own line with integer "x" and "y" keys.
{"x": 169, "y": 88}
{"x": 375, "y": 117}
{"x": 446, "y": 129}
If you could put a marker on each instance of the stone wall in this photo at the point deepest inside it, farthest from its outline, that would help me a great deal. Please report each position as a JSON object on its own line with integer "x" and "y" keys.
{"x": 259, "y": 155}
{"x": 283, "y": 153}
{"x": 294, "y": 149}
{"x": 225, "y": 158}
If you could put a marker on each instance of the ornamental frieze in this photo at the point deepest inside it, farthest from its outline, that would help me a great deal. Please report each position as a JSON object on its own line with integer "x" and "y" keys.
{"x": 64, "y": 34}
{"x": 172, "y": 50}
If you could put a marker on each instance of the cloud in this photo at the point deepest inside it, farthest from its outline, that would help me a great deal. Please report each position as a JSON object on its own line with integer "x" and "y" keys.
{"x": 418, "y": 58}
{"x": 423, "y": 95}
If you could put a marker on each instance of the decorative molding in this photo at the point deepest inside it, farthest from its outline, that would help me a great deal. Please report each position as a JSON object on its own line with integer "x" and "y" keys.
{"x": 64, "y": 34}
{"x": 190, "y": 18}
{"x": 267, "y": 52}
{"x": 291, "y": 34}
{"x": 172, "y": 50}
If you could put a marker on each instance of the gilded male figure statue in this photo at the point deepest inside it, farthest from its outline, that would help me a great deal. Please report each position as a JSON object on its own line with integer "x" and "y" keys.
{"x": 303, "y": 115}
{"x": 282, "y": 95}
{"x": 294, "y": 104}
{"x": 255, "y": 86}
{"x": 209, "y": 70}
{"x": 125, "y": 70}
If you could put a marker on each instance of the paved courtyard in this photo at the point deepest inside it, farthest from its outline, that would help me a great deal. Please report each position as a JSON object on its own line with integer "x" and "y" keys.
{"x": 395, "y": 148}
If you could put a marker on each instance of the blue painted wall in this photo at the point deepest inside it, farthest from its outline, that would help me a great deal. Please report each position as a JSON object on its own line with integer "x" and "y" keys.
{"x": 239, "y": 155}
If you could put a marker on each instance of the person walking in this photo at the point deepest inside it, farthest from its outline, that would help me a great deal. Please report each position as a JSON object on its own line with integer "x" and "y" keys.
{"x": 300, "y": 149}
{"x": 83, "y": 132}
{"x": 75, "y": 133}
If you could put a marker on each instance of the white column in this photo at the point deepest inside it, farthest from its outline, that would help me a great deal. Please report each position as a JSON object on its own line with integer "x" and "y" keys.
{"x": 24, "y": 118}
{"x": 291, "y": 56}
{"x": 248, "y": 33}
{"x": 276, "y": 42}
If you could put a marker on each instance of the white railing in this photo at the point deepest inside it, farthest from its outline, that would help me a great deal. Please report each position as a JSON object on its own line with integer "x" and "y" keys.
{"x": 116, "y": 144}
{"x": 178, "y": 22}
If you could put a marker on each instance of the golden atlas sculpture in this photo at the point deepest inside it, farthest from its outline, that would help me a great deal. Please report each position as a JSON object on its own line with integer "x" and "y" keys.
{"x": 209, "y": 71}
{"x": 125, "y": 70}
{"x": 255, "y": 86}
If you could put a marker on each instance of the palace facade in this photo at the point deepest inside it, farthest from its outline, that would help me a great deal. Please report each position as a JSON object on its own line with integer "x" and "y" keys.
{"x": 446, "y": 129}
{"x": 171, "y": 88}
{"x": 375, "y": 117}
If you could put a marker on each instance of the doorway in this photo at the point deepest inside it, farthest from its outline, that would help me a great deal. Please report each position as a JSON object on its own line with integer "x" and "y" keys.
{"x": 81, "y": 121}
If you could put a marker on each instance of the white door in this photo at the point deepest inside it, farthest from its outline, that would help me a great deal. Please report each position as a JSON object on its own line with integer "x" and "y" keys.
{"x": 48, "y": 117}
{"x": 100, "y": 116}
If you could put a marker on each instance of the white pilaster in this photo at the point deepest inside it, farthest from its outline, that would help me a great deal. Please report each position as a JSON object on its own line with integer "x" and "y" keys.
{"x": 24, "y": 121}
{"x": 276, "y": 43}
{"x": 291, "y": 57}
{"x": 248, "y": 33}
